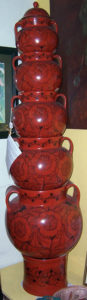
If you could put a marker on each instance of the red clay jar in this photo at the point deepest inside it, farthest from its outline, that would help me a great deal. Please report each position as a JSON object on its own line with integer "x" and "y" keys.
{"x": 36, "y": 31}
{"x": 38, "y": 169}
{"x": 37, "y": 75}
{"x": 39, "y": 119}
{"x": 46, "y": 230}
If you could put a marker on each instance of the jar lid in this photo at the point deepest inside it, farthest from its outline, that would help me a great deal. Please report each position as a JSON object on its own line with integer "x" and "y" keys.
{"x": 36, "y": 11}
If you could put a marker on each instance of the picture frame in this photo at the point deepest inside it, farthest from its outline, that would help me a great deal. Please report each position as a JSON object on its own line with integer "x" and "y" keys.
{"x": 7, "y": 88}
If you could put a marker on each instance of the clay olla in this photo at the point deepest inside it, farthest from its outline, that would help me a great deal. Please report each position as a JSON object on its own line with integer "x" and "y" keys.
{"x": 43, "y": 219}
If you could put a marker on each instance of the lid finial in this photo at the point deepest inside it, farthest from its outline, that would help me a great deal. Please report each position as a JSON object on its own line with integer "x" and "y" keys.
{"x": 35, "y": 4}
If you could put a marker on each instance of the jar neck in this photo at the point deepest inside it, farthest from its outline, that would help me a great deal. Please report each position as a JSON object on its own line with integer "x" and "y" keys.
{"x": 37, "y": 56}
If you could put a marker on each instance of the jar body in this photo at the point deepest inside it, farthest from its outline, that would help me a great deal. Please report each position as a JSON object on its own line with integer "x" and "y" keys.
{"x": 44, "y": 231}
{"x": 39, "y": 119}
{"x": 42, "y": 169}
{"x": 38, "y": 76}
{"x": 36, "y": 38}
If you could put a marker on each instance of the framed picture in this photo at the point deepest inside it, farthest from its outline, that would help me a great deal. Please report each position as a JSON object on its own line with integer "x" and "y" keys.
{"x": 7, "y": 88}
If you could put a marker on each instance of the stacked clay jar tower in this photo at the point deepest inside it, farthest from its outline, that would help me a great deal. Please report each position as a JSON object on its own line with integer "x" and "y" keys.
{"x": 43, "y": 220}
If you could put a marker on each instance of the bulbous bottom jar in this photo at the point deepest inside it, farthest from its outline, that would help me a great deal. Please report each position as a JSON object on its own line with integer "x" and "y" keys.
{"x": 44, "y": 224}
{"x": 44, "y": 277}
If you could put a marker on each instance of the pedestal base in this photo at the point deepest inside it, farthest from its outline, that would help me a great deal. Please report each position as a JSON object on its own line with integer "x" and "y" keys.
{"x": 43, "y": 277}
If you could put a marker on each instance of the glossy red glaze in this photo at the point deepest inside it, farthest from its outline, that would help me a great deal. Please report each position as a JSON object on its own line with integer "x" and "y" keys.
{"x": 37, "y": 56}
{"x": 44, "y": 230}
{"x": 39, "y": 119}
{"x": 43, "y": 221}
{"x": 44, "y": 277}
{"x": 35, "y": 96}
{"x": 36, "y": 38}
{"x": 43, "y": 169}
{"x": 35, "y": 4}
{"x": 36, "y": 11}
{"x": 36, "y": 32}
{"x": 44, "y": 198}
{"x": 40, "y": 143}
{"x": 36, "y": 75}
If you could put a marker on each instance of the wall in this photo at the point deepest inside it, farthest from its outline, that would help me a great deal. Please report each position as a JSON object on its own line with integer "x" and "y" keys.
{"x": 10, "y": 12}
{"x": 76, "y": 258}
{"x": 8, "y": 253}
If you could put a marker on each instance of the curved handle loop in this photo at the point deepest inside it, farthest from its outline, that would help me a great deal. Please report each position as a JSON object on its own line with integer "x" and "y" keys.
{"x": 55, "y": 25}
{"x": 59, "y": 60}
{"x": 64, "y": 99}
{"x": 18, "y": 25}
{"x": 11, "y": 190}
{"x": 16, "y": 58}
{"x": 13, "y": 99}
{"x": 76, "y": 193}
{"x": 70, "y": 143}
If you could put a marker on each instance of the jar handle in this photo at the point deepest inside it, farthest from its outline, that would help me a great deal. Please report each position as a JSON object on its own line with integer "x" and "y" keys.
{"x": 16, "y": 58}
{"x": 59, "y": 60}
{"x": 55, "y": 25}
{"x": 64, "y": 99}
{"x": 13, "y": 99}
{"x": 11, "y": 190}
{"x": 76, "y": 193}
{"x": 18, "y": 25}
{"x": 63, "y": 138}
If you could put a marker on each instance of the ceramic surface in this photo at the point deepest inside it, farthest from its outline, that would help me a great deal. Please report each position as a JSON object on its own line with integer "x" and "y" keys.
{"x": 36, "y": 75}
{"x": 41, "y": 143}
{"x": 43, "y": 219}
{"x": 44, "y": 229}
{"x": 35, "y": 96}
{"x": 43, "y": 169}
{"x": 72, "y": 293}
{"x": 39, "y": 119}
{"x": 36, "y": 32}
{"x": 44, "y": 277}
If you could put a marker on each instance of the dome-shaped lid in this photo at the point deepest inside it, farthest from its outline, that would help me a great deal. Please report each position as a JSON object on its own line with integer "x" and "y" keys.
{"x": 36, "y": 11}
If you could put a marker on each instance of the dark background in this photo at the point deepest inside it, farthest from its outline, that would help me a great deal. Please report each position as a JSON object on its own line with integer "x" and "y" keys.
{"x": 71, "y": 17}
